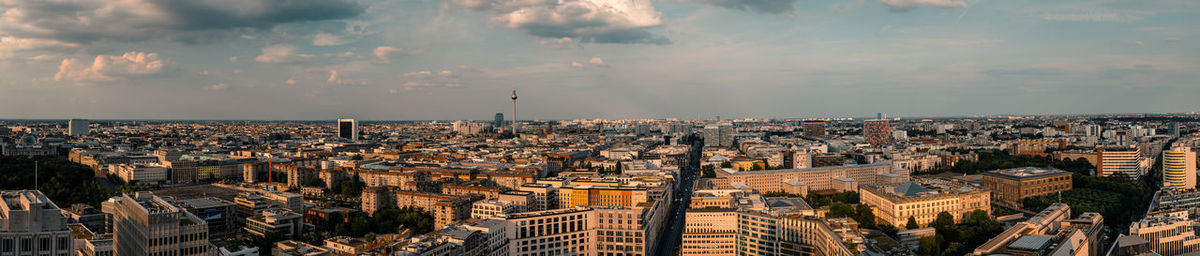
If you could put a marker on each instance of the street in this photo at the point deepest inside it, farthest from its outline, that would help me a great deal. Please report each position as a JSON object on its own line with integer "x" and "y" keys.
{"x": 672, "y": 235}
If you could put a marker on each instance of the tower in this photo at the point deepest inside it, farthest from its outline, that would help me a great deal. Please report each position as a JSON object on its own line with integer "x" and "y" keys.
{"x": 1179, "y": 168}
{"x": 514, "y": 123}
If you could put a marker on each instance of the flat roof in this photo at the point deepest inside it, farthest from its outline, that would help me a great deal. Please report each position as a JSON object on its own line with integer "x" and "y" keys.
{"x": 734, "y": 172}
{"x": 1022, "y": 173}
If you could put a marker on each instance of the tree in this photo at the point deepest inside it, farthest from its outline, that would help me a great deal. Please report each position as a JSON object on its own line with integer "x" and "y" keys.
{"x": 865, "y": 216}
{"x": 838, "y": 210}
{"x": 930, "y": 245}
{"x": 356, "y": 157}
{"x": 912, "y": 223}
{"x": 944, "y": 224}
{"x": 726, "y": 164}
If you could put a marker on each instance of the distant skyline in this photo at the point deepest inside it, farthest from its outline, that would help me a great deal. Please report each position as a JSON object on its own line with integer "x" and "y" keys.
{"x": 585, "y": 59}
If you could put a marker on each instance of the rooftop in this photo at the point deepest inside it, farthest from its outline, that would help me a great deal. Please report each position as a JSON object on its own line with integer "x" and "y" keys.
{"x": 1022, "y": 173}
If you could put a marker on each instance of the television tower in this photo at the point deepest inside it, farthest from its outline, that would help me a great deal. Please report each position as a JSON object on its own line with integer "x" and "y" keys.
{"x": 514, "y": 118}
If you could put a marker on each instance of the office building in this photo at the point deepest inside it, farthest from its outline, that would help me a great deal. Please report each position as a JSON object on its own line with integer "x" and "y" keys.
{"x": 813, "y": 128}
{"x": 279, "y": 221}
{"x": 347, "y": 129}
{"x": 718, "y": 135}
{"x": 895, "y": 203}
{"x": 78, "y": 127}
{"x": 1010, "y": 186}
{"x": 31, "y": 224}
{"x": 220, "y": 215}
{"x": 498, "y": 122}
{"x": 141, "y": 173}
{"x": 877, "y": 132}
{"x": 145, "y": 224}
{"x": 816, "y": 178}
{"x": 1179, "y": 168}
{"x": 1125, "y": 160}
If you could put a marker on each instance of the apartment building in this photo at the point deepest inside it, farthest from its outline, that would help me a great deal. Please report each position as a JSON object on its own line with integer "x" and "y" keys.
{"x": 1169, "y": 234}
{"x": 1050, "y": 232}
{"x": 1125, "y": 160}
{"x": 1179, "y": 168}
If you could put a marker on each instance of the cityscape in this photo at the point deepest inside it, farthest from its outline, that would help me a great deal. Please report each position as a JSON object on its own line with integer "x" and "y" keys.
{"x": 599, "y": 128}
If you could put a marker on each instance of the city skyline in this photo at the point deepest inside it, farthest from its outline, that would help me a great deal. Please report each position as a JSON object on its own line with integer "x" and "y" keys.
{"x": 422, "y": 60}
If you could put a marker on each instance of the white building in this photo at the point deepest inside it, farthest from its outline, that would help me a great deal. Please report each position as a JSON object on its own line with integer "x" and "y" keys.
{"x": 1179, "y": 168}
{"x": 146, "y": 224}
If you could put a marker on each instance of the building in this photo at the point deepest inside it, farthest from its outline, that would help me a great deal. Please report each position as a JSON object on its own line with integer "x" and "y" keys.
{"x": 813, "y": 128}
{"x": 31, "y": 224}
{"x": 1050, "y": 232}
{"x": 498, "y": 122}
{"x": 719, "y": 134}
{"x": 296, "y": 248}
{"x": 347, "y": 129}
{"x": 1179, "y": 168}
{"x": 1036, "y": 147}
{"x": 816, "y": 178}
{"x": 142, "y": 173}
{"x": 877, "y": 132}
{"x": 220, "y": 214}
{"x": 1169, "y": 234}
{"x": 766, "y": 234}
{"x": 1011, "y": 186}
{"x": 895, "y": 203}
{"x": 568, "y": 231}
{"x": 587, "y": 195}
{"x": 486, "y": 209}
{"x": 78, "y": 127}
{"x": 710, "y": 232}
{"x": 145, "y": 224}
{"x": 446, "y": 209}
{"x": 1124, "y": 160}
{"x": 280, "y": 221}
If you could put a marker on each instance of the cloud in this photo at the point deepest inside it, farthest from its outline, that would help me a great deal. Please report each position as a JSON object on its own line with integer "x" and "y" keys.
{"x": 110, "y": 67}
{"x": 597, "y": 61}
{"x": 429, "y": 79}
{"x": 1172, "y": 40}
{"x": 906, "y": 5}
{"x": 233, "y": 59}
{"x": 326, "y": 39}
{"x": 387, "y": 53}
{"x": 759, "y": 6}
{"x": 280, "y": 53}
{"x": 333, "y": 77}
{"x": 219, "y": 86}
{"x": 290, "y": 82}
{"x": 1094, "y": 16}
{"x": 83, "y": 22}
{"x": 1170, "y": 31}
{"x": 558, "y": 43}
{"x": 594, "y": 62}
{"x": 10, "y": 45}
{"x": 1139, "y": 43}
{"x": 590, "y": 21}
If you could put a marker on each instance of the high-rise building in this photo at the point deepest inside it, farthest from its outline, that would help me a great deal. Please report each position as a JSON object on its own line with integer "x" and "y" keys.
{"x": 31, "y": 224}
{"x": 77, "y": 127}
{"x": 348, "y": 129}
{"x": 1179, "y": 168}
{"x": 145, "y": 224}
{"x": 498, "y": 123}
{"x": 878, "y": 132}
{"x": 814, "y": 128}
{"x": 719, "y": 134}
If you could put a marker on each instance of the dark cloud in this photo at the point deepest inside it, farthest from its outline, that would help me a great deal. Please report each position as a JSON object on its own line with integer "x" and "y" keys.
{"x": 186, "y": 21}
{"x": 759, "y": 6}
{"x": 590, "y": 21}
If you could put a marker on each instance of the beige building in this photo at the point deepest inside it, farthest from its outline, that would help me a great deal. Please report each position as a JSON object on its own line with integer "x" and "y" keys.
{"x": 895, "y": 203}
{"x": 1179, "y": 168}
{"x": 710, "y": 232}
{"x": 1169, "y": 234}
{"x": 567, "y": 231}
{"x": 146, "y": 224}
{"x": 817, "y": 178}
{"x": 31, "y": 224}
{"x": 1050, "y": 232}
{"x": 1010, "y": 186}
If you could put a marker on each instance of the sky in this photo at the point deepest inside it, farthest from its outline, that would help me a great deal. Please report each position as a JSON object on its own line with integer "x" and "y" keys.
{"x": 612, "y": 59}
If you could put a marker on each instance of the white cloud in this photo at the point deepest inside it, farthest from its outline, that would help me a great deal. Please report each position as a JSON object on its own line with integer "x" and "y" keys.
{"x": 110, "y": 67}
{"x": 290, "y": 82}
{"x": 233, "y": 59}
{"x": 280, "y": 53}
{"x": 575, "y": 64}
{"x": 429, "y": 79}
{"x": 387, "y": 53}
{"x": 1139, "y": 43}
{"x": 219, "y": 86}
{"x": 326, "y": 39}
{"x": 904, "y": 5}
{"x": 594, "y": 21}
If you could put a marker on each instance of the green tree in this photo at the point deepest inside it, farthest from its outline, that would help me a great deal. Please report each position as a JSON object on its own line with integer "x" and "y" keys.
{"x": 838, "y": 210}
{"x": 912, "y": 223}
{"x": 865, "y": 216}
{"x": 356, "y": 157}
{"x": 930, "y": 245}
{"x": 726, "y": 164}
